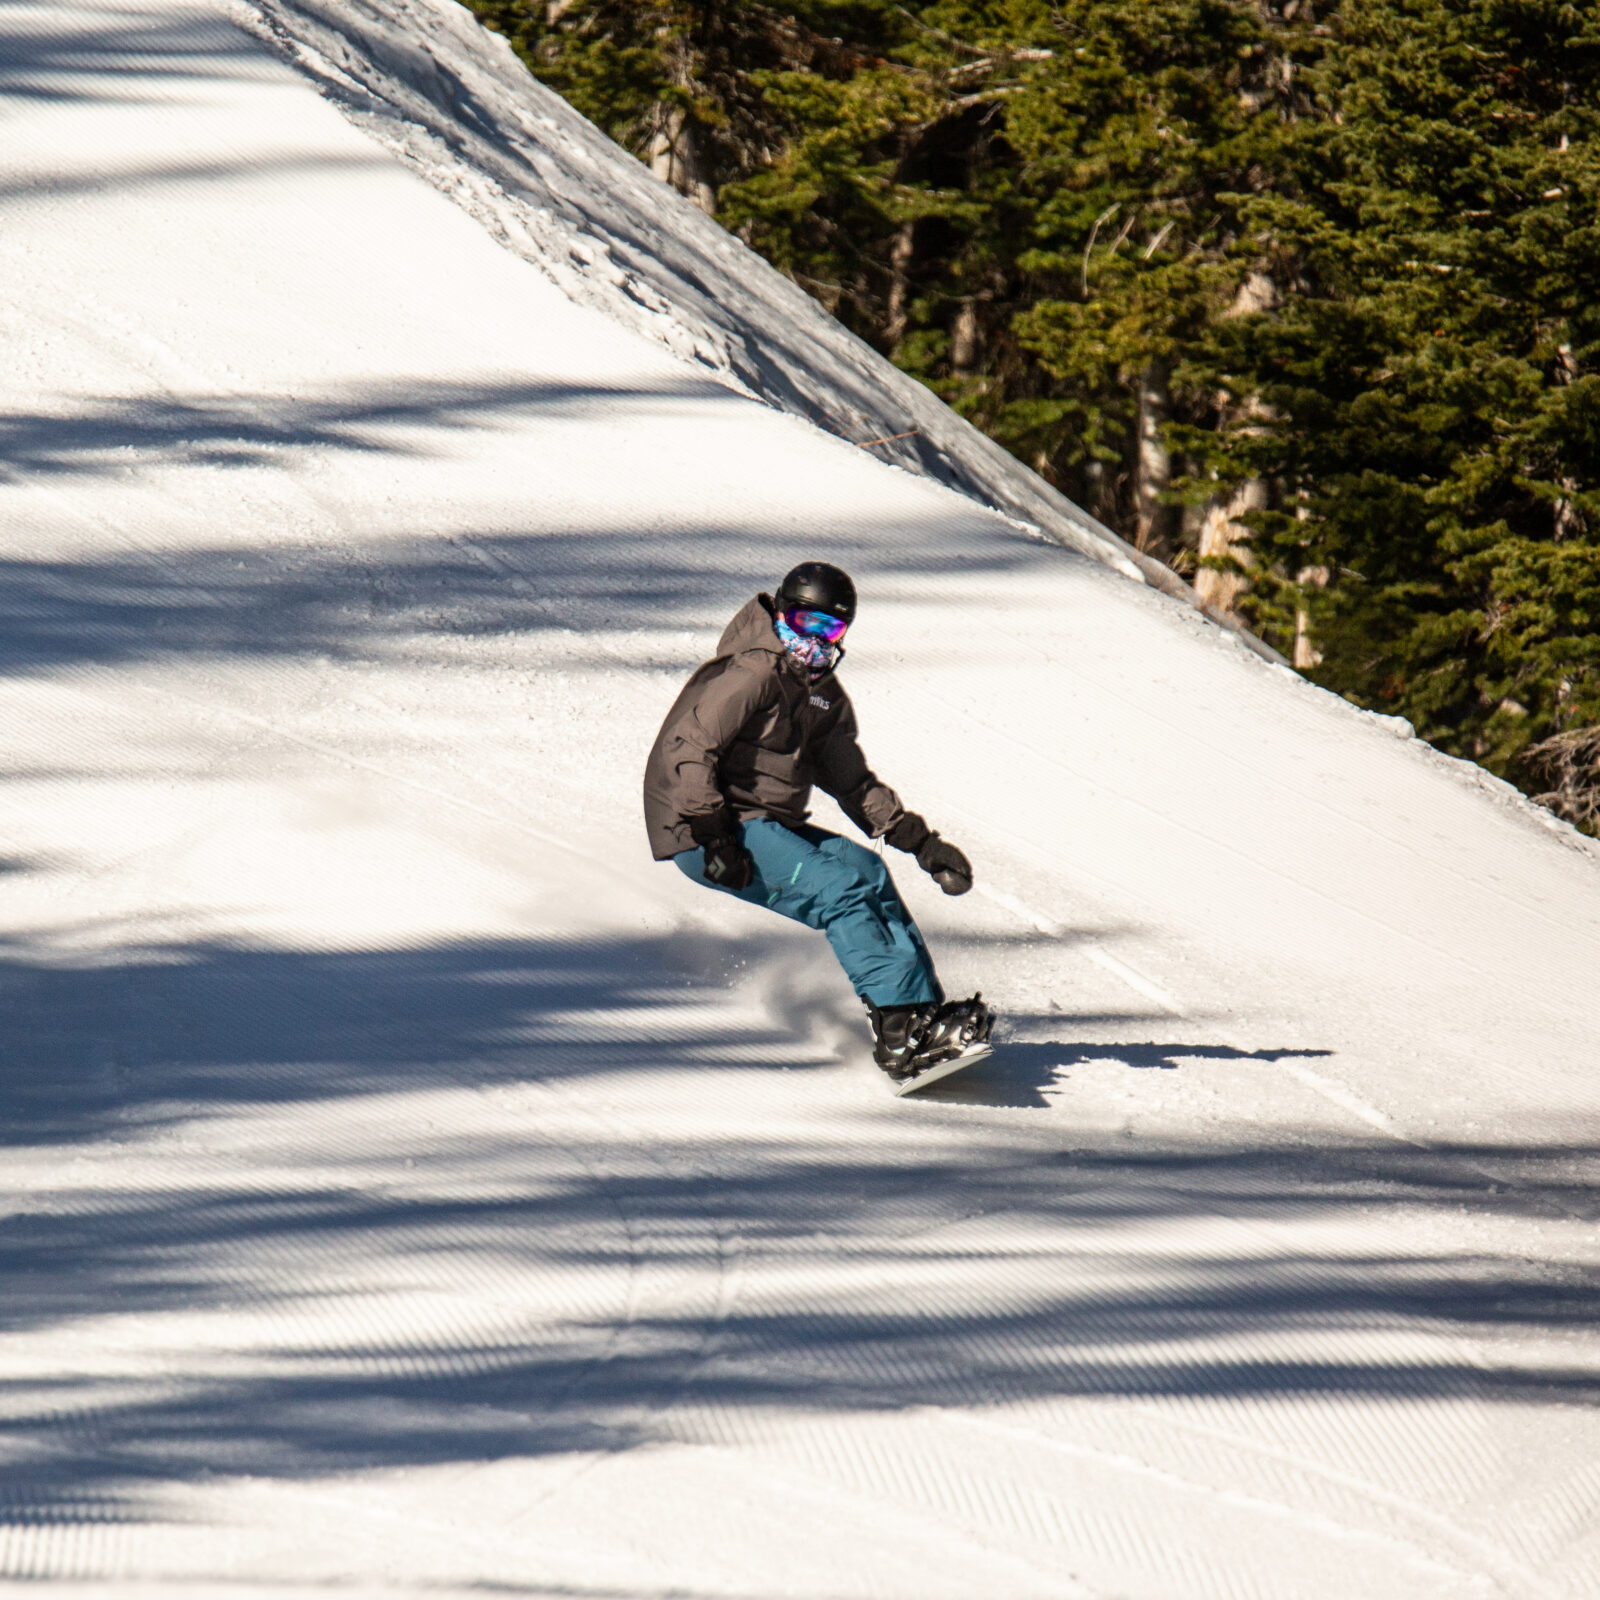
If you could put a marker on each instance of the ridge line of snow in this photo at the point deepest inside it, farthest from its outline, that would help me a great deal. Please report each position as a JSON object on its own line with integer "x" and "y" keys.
{"x": 451, "y": 99}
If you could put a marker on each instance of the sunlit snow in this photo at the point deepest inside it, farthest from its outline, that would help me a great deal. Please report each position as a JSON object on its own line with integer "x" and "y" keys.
{"x": 409, "y": 1186}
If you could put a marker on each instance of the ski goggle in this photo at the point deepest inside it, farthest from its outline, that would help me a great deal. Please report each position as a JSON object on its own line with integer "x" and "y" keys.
{"x": 816, "y": 625}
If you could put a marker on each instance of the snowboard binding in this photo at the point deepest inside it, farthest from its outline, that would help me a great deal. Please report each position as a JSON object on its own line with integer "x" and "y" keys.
{"x": 915, "y": 1045}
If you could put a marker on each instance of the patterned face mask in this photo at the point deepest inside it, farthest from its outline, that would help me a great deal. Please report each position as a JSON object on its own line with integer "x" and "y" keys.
{"x": 816, "y": 655}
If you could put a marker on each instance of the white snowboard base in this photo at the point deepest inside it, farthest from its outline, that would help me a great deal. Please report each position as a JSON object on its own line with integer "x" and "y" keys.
{"x": 943, "y": 1069}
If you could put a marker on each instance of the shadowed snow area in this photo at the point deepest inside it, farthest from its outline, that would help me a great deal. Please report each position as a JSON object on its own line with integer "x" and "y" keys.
{"x": 410, "y": 1187}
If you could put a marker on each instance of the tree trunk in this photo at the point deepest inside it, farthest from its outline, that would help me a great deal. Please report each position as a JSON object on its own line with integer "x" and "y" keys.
{"x": 1154, "y": 473}
{"x": 900, "y": 258}
{"x": 964, "y": 338}
{"x": 1306, "y": 654}
{"x": 1222, "y": 537}
{"x": 1569, "y": 522}
{"x": 674, "y": 160}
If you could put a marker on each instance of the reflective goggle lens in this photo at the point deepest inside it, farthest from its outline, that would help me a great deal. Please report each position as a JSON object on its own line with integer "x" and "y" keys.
{"x": 817, "y": 625}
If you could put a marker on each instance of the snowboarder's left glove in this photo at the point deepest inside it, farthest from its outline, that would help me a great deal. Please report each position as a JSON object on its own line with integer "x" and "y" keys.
{"x": 948, "y": 867}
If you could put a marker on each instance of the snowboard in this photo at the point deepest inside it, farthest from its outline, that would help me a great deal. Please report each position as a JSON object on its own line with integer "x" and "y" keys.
{"x": 980, "y": 1050}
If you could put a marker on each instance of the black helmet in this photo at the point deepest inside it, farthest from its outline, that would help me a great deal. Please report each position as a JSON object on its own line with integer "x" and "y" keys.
{"x": 815, "y": 586}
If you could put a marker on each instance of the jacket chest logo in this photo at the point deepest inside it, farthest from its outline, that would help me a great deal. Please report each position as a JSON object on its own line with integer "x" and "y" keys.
{"x": 820, "y": 703}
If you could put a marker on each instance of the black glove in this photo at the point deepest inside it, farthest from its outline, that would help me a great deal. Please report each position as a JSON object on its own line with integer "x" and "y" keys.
{"x": 938, "y": 857}
{"x": 727, "y": 863}
{"x": 949, "y": 868}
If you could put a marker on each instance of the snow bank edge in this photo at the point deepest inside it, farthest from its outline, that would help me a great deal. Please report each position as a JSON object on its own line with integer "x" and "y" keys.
{"x": 452, "y": 101}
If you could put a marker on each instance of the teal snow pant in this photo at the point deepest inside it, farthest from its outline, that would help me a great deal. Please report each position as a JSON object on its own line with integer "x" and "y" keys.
{"x": 812, "y": 876}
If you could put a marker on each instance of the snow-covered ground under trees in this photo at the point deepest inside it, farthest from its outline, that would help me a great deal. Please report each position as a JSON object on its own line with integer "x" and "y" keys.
{"x": 408, "y": 1186}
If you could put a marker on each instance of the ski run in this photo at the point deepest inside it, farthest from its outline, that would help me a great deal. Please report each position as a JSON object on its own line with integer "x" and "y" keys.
{"x": 411, "y": 1188}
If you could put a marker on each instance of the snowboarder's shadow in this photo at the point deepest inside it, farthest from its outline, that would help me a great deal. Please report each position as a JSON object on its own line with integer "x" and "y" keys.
{"x": 1020, "y": 1074}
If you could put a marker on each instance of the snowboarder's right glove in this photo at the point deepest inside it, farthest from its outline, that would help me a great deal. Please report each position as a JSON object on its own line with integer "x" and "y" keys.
{"x": 727, "y": 863}
{"x": 947, "y": 866}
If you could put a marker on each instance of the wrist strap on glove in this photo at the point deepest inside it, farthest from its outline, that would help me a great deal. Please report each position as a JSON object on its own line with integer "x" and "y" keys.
{"x": 711, "y": 827}
{"x": 909, "y": 833}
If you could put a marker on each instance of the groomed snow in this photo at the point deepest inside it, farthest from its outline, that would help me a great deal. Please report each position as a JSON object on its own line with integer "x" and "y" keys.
{"x": 411, "y": 1187}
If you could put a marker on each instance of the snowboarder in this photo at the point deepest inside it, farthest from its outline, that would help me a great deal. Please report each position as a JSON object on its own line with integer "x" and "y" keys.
{"x": 725, "y": 798}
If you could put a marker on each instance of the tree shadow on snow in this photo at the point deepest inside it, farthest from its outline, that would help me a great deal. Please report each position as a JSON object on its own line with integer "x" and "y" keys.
{"x": 299, "y": 1163}
{"x": 129, "y": 57}
{"x": 396, "y": 594}
{"x": 144, "y": 1041}
{"x": 99, "y": 437}
{"x": 1019, "y": 1072}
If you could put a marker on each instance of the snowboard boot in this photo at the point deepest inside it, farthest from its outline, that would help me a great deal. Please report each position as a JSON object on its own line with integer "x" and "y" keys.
{"x": 897, "y": 1032}
{"x": 907, "y": 1040}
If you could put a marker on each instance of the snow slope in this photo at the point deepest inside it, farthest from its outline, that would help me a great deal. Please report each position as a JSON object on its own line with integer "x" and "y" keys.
{"x": 454, "y": 103}
{"x": 408, "y": 1186}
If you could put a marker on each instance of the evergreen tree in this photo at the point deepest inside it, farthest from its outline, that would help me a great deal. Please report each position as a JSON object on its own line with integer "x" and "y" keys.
{"x": 1432, "y": 380}
{"x": 682, "y": 83}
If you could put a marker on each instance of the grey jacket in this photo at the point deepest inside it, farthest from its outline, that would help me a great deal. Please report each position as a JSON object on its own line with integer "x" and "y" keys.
{"x": 750, "y": 733}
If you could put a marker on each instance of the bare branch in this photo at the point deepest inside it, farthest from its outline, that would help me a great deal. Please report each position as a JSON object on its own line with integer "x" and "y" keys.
{"x": 1094, "y": 233}
{"x": 1571, "y": 761}
{"x": 1155, "y": 243}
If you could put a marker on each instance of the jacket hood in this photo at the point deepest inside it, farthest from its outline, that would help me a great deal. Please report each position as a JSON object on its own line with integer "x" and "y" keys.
{"x": 751, "y": 629}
